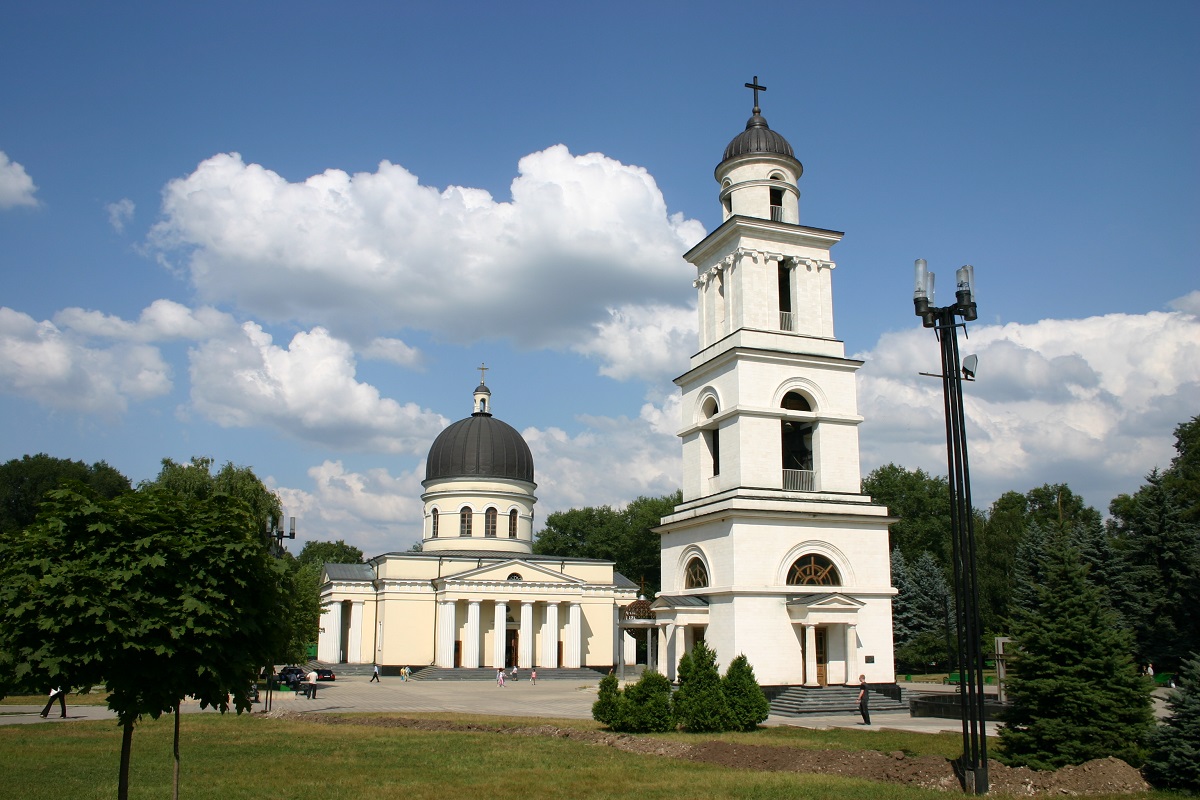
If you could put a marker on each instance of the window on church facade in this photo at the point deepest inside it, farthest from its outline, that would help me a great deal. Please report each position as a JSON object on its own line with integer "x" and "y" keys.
{"x": 797, "y": 447}
{"x": 433, "y": 517}
{"x": 489, "y": 523}
{"x": 786, "y": 320}
{"x": 777, "y": 204}
{"x": 464, "y": 522}
{"x": 512, "y": 524}
{"x": 696, "y": 575}
{"x": 813, "y": 570}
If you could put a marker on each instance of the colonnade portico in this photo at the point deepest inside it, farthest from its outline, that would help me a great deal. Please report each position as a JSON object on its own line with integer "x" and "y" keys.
{"x": 550, "y": 633}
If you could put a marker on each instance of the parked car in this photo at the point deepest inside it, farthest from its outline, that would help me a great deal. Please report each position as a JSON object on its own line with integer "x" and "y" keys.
{"x": 291, "y": 676}
{"x": 326, "y": 675}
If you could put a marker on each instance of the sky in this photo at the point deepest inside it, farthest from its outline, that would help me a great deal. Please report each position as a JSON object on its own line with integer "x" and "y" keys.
{"x": 287, "y": 235}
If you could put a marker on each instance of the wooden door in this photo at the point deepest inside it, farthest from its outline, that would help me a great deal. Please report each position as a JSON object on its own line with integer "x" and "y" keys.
{"x": 822, "y": 656}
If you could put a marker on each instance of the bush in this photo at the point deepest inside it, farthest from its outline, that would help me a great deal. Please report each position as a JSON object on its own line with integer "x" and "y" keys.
{"x": 607, "y": 704}
{"x": 699, "y": 703}
{"x": 1174, "y": 760}
{"x": 748, "y": 705}
{"x": 645, "y": 707}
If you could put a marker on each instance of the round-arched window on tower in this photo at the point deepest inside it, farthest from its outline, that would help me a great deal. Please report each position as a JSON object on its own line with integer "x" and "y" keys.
{"x": 696, "y": 575}
{"x": 433, "y": 516}
{"x": 489, "y": 523}
{"x": 464, "y": 521}
{"x": 813, "y": 570}
{"x": 512, "y": 524}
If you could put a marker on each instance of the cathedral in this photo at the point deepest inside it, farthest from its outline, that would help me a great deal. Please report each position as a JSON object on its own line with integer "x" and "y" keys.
{"x": 773, "y": 553}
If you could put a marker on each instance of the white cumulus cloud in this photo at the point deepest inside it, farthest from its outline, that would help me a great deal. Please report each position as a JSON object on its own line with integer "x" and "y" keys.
{"x": 58, "y": 369}
{"x": 16, "y": 187}
{"x": 366, "y": 254}
{"x": 307, "y": 390}
{"x": 120, "y": 213}
{"x": 1091, "y": 402}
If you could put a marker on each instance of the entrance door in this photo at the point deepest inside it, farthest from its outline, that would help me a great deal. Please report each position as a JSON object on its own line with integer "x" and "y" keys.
{"x": 822, "y": 656}
{"x": 457, "y": 654}
{"x": 511, "y": 648}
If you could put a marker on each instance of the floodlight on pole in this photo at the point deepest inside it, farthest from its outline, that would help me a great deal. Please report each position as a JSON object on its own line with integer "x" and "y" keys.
{"x": 973, "y": 767}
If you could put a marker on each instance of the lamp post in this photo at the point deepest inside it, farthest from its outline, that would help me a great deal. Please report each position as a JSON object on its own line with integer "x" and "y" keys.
{"x": 973, "y": 764}
{"x": 277, "y": 536}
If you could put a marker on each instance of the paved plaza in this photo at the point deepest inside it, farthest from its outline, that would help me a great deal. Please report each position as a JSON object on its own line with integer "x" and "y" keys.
{"x": 564, "y": 699}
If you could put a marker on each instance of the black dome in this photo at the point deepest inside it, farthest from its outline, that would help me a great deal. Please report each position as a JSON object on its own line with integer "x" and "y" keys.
{"x": 758, "y": 138}
{"x": 479, "y": 446}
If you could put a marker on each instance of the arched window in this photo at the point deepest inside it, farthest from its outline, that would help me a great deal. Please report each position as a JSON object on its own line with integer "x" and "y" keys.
{"x": 514, "y": 576}
{"x": 797, "y": 435}
{"x": 696, "y": 575}
{"x": 512, "y": 524}
{"x": 489, "y": 523}
{"x": 712, "y": 436}
{"x": 433, "y": 516}
{"x": 814, "y": 570}
{"x": 776, "y": 204}
{"x": 464, "y": 521}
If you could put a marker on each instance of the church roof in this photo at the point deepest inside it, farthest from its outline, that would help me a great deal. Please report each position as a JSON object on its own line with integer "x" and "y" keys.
{"x": 758, "y": 138}
{"x": 479, "y": 446}
{"x": 349, "y": 572}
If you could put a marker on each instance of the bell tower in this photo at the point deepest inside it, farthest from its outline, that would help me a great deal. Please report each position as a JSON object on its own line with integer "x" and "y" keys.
{"x": 771, "y": 479}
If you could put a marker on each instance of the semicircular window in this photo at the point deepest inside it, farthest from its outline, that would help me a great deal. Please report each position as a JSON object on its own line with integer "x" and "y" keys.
{"x": 813, "y": 570}
{"x": 516, "y": 576}
{"x": 696, "y": 575}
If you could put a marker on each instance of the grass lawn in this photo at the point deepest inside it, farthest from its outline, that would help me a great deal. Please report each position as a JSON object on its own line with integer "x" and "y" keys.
{"x": 96, "y": 698}
{"x": 232, "y": 757}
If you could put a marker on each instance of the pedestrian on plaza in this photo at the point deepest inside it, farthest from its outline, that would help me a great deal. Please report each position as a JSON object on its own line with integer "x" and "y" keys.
{"x": 60, "y": 695}
{"x": 514, "y": 673}
{"x": 312, "y": 685}
{"x": 533, "y": 676}
{"x": 863, "y": 700}
{"x": 375, "y": 675}
{"x": 500, "y": 677}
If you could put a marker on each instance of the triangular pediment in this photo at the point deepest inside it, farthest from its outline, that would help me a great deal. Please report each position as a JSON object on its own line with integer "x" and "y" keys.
{"x": 504, "y": 570}
{"x": 833, "y": 601}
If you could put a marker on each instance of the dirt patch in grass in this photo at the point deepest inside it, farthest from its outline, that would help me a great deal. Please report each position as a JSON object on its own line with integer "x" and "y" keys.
{"x": 1100, "y": 777}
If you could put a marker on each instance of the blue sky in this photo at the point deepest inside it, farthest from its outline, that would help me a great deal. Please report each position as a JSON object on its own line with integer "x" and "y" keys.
{"x": 203, "y": 253}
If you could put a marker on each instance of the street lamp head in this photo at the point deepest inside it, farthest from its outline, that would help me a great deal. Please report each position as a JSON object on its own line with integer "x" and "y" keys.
{"x": 923, "y": 292}
{"x": 964, "y": 292}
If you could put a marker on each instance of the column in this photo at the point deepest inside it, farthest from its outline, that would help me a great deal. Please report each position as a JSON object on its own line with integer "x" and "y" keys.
{"x": 810, "y": 655}
{"x": 447, "y": 627}
{"x": 851, "y": 654}
{"x": 470, "y": 658}
{"x": 525, "y": 656}
{"x": 499, "y": 634}
{"x": 354, "y": 645}
{"x": 550, "y": 637}
{"x": 573, "y": 652}
{"x": 331, "y": 634}
{"x": 671, "y": 648}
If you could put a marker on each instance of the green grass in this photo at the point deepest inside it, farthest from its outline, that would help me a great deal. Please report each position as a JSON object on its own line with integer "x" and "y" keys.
{"x": 97, "y": 698}
{"x": 231, "y": 757}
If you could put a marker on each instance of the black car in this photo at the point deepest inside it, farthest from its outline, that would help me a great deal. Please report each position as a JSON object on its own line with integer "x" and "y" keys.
{"x": 326, "y": 675}
{"x": 291, "y": 676}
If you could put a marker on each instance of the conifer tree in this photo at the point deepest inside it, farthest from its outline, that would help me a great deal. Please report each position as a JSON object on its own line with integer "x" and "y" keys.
{"x": 608, "y": 700}
{"x": 699, "y": 703}
{"x": 748, "y": 705}
{"x": 1074, "y": 688}
{"x": 645, "y": 707}
{"x": 1174, "y": 760}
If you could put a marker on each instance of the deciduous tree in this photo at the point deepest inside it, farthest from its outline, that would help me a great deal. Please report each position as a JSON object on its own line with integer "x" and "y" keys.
{"x": 25, "y": 481}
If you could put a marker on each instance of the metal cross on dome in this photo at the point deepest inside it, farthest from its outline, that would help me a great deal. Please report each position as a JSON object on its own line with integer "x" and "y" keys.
{"x": 482, "y": 369}
{"x": 756, "y": 89}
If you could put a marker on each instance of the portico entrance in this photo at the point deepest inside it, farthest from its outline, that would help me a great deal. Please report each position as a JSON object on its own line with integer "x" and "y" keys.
{"x": 822, "y": 656}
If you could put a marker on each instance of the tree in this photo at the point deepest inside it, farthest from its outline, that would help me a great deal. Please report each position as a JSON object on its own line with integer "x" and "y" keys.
{"x": 922, "y": 502}
{"x": 608, "y": 700}
{"x": 1183, "y": 476}
{"x": 645, "y": 707}
{"x": 748, "y": 705}
{"x": 1174, "y": 758}
{"x": 1074, "y": 689}
{"x": 624, "y": 536}
{"x": 1156, "y": 572}
{"x": 322, "y": 553}
{"x": 699, "y": 702}
{"x": 196, "y": 479}
{"x": 1000, "y": 533}
{"x": 25, "y": 481}
{"x": 904, "y": 621}
{"x": 154, "y": 595}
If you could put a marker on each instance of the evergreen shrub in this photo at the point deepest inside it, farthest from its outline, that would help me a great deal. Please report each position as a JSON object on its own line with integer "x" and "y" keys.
{"x": 748, "y": 705}
{"x": 699, "y": 703}
{"x": 645, "y": 707}
{"x": 608, "y": 702}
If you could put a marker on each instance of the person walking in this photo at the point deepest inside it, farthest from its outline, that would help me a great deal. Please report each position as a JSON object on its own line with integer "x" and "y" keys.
{"x": 533, "y": 677}
{"x": 375, "y": 675}
{"x": 514, "y": 673}
{"x": 60, "y": 695}
{"x": 863, "y": 700}
{"x": 312, "y": 685}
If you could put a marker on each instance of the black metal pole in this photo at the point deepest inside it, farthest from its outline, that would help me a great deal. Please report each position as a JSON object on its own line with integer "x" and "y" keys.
{"x": 973, "y": 764}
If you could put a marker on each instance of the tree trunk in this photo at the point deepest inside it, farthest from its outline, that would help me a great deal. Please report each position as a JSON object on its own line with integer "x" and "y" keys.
{"x": 126, "y": 745}
{"x": 175, "y": 791}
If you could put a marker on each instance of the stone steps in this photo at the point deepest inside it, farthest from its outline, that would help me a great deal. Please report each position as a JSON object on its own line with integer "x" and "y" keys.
{"x": 584, "y": 674}
{"x": 797, "y": 701}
